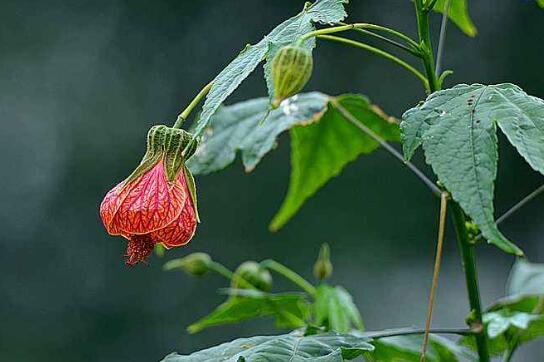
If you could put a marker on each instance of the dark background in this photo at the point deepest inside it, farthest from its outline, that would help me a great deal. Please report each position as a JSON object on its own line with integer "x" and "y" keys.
{"x": 82, "y": 81}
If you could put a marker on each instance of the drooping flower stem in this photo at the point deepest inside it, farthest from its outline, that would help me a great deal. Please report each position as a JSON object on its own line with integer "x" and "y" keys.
{"x": 289, "y": 274}
{"x": 378, "y": 52}
{"x": 471, "y": 277}
{"x": 187, "y": 111}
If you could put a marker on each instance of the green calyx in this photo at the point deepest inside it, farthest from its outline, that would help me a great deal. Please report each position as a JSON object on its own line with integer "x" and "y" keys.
{"x": 291, "y": 69}
{"x": 171, "y": 145}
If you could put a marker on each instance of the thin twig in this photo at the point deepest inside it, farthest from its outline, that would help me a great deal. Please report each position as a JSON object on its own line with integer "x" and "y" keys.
{"x": 412, "y": 331}
{"x": 379, "y": 52}
{"x": 353, "y": 120}
{"x": 442, "y": 40}
{"x": 436, "y": 272}
{"x": 511, "y": 211}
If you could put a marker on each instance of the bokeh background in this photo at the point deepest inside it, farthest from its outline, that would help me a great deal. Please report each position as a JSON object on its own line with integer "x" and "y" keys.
{"x": 82, "y": 81}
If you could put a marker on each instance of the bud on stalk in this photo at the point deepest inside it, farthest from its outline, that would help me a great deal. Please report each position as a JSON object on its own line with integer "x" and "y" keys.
{"x": 254, "y": 274}
{"x": 291, "y": 69}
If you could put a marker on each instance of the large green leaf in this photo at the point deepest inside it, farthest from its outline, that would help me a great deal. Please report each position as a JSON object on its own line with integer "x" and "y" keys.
{"x": 408, "y": 349}
{"x": 458, "y": 14}
{"x": 518, "y": 317}
{"x": 240, "y": 127}
{"x": 293, "y": 347}
{"x": 320, "y": 150}
{"x": 457, "y": 128}
{"x": 322, "y": 11}
{"x": 289, "y": 309}
{"x": 334, "y": 309}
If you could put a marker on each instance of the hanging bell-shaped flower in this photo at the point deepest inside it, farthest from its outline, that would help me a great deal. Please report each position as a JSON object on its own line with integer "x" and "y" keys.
{"x": 157, "y": 202}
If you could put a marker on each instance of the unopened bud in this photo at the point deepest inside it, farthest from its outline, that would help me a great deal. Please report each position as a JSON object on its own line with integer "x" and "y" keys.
{"x": 291, "y": 69}
{"x": 196, "y": 264}
{"x": 323, "y": 266}
{"x": 251, "y": 272}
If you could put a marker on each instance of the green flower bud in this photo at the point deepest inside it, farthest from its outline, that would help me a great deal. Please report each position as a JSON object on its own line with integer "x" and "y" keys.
{"x": 196, "y": 264}
{"x": 323, "y": 266}
{"x": 291, "y": 69}
{"x": 254, "y": 274}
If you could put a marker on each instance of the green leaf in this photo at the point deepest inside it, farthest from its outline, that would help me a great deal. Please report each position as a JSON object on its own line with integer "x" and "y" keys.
{"x": 322, "y": 11}
{"x": 457, "y": 128}
{"x": 518, "y": 317}
{"x": 540, "y": 3}
{"x": 290, "y": 310}
{"x": 292, "y": 347}
{"x": 408, "y": 349}
{"x": 335, "y": 310}
{"x": 320, "y": 150}
{"x": 458, "y": 14}
{"x": 240, "y": 127}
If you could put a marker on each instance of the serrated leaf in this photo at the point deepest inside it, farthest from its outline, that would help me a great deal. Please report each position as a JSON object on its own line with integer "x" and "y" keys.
{"x": 322, "y": 11}
{"x": 289, "y": 310}
{"x": 335, "y": 310}
{"x": 239, "y": 127}
{"x": 457, "y": 128}
{"x": 408, "y": 349}
{"x": 319, "y": 151}
{"x": 458, "y": 14}
{"x": 293, "y": 347}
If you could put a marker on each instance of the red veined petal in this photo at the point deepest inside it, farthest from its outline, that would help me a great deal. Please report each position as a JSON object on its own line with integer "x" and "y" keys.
{"x": 146, "y": 204}
{"x": 181, "y": 230}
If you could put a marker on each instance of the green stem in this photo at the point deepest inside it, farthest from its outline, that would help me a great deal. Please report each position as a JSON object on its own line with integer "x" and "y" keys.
{"x": 223, "y": 271}
{"x": 411, "y": 50}
{"x": 187, "y": 111}
{"x": 426, "y": 47}
{"x": 469, "y": 266}
{"x": 336, "y": 29}
{"x": 379, "y": 52}
{"x": 289, "y": 274}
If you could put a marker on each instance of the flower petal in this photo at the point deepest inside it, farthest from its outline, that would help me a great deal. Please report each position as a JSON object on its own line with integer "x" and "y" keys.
{"x": 145, "y": 205}
{"x": 181, "y": 230}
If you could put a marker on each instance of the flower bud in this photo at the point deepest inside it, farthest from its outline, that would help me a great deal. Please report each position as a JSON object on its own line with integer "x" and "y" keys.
{"x": 196, "y": 264}
{"x": 323, "y": 266}
{"x": 291, "y": 69}
{"x": 254, "y": 274}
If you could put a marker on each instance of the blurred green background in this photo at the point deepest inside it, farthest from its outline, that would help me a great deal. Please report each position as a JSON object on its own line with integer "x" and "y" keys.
{"x": 82, "y": 81}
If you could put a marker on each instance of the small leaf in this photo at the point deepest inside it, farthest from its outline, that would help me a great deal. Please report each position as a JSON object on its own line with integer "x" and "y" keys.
{"x": 322, "y": 11}
{"x": 289, "y": 310}
{"x": 239, "y": 127}
{"x": 335, "y": 310}
{"x": 457, "y": 127}
{"x": 320, "y": 150}
{"x": 408, "y": 349}
{"x": 292, "y": 347}
{"x": 458, "y": 14}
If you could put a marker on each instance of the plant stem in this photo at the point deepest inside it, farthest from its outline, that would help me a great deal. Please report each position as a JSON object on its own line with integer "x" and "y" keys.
{"x": 469, "y": 266}
{"x": 353, "y": 120}
{"x": 426, "y": 46}
{"x": 379, "y": 52}
{"x": 411, "y": 331}
{"x": 410, "y": 50}
{"x": 344, "y": 27}
{"x": 442, "y": 40}
{"x": 223, "y": 271}
{"x": 436, "y": 272}
{"x": 187, "y": 111}
{"x": 289, "y": 274}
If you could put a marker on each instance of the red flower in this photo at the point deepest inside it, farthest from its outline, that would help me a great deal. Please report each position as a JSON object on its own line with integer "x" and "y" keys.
{"x": 157, "y": 203}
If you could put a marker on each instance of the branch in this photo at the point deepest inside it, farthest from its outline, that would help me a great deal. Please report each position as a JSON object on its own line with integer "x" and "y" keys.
{"x": 353, "y": 120}
{"x": 412, "y": 331}
{"x": 438, "y": 260}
